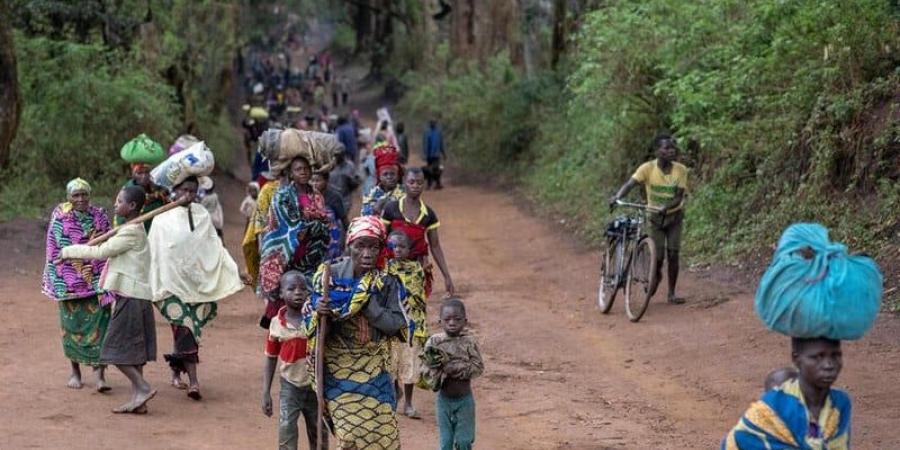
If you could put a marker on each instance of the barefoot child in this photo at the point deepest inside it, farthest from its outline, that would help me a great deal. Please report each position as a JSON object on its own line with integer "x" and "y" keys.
{"x": 286, "y": 344}
{"x": 131, "y": 336}
{"x": 451, "y": 359}
{"x": 406, "y": 352}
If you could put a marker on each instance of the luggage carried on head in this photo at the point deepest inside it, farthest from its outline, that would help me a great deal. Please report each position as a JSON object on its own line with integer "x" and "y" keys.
{"x": 183, "y": 142}
{"x": 280, "y": 147}
{"x": 197, "y": 160}
{"x": 813, "y": 288}
{"x": 142, "y": 150}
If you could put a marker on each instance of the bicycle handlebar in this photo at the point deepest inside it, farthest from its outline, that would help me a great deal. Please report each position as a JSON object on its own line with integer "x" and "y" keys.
{"x": 637, "y": 206}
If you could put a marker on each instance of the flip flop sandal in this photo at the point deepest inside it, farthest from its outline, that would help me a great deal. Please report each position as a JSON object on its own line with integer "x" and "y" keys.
{"x": 141, "y": 410}
{"x": 178, "y": 384}
{"x": 676, "y": 301}
{"x": 143, "y": 404}
{"x": 103, "y": 389}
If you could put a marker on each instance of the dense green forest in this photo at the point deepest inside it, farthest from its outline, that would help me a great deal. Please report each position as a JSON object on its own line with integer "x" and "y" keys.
{"x": 92, "y": 74}
{"x": 785, "y": 110}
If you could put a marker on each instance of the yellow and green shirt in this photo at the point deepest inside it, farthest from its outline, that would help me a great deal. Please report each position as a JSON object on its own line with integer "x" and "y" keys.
{"x": 661, "y": 187}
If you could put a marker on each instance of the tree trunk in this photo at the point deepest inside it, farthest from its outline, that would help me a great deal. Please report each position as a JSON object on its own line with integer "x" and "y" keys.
{"x": 363, "y": 25}
{"x": 10, "y": 102}
{"x": 560, "y": 31}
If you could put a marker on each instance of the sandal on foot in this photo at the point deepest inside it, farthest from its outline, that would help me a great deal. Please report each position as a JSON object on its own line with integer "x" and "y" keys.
{"x": 676, "y": 300}
{"x": 178, "y": 384}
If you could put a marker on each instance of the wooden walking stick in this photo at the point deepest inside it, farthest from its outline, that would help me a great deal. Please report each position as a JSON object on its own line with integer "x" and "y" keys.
{"x": 139, "y": 219}
{"x": 321, "y": 332}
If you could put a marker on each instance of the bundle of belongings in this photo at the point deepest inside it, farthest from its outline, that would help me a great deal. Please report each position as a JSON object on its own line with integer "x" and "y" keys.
{"x": 813, "y": 288}
{"x": 196, "y": 160}
{"x": 142, "y": 150}
{"x": 280, "y": 147}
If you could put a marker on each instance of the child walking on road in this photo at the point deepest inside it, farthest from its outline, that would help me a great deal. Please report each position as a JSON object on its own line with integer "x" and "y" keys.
{"x": 131, "y": 337}
{"x": 406, "y": 352}
{"x": 286, "y": 344}
{"x": 450, "y": 361}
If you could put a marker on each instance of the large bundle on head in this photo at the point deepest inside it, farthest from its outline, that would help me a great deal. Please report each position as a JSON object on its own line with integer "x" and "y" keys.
{"x": 197, "y": 160}
{"x": 280, "y": 147}
{"x": 182, "y": 143}
{"x": 142, "y": 150}
{"x": 814, "y": 288}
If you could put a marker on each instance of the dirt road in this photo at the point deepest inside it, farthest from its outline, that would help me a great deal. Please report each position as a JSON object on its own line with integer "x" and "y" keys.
{"x": 559, "y": 375}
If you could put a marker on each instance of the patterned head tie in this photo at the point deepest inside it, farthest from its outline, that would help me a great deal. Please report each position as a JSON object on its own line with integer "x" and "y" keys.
{"x": 78, "y": 185}
{"x": 366, "y": 226}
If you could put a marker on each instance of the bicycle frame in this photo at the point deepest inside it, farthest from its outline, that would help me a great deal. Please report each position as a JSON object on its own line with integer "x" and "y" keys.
{"x": 628, "y": 244}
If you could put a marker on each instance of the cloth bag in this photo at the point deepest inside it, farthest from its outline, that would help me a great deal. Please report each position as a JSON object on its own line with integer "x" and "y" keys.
{"x": 317, "y": 148}
{"x": 814, "y": 288}
{"x": 196, "y": 160}
{"x": 142, "y": 150}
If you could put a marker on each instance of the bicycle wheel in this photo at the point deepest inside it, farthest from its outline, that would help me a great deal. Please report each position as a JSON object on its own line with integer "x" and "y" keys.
{"x": 609, "y": 276}
{"x": 642, "y": 272}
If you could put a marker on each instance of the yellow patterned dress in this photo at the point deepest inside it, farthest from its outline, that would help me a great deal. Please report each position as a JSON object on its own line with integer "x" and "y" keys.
{"x": 358, "y": 388}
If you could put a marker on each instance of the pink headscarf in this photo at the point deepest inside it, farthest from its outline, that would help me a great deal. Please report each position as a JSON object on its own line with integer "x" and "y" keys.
{"x": 366, "y": 226}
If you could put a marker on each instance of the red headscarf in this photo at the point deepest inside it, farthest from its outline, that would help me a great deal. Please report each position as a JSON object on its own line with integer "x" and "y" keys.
{"x": 135, "y": 167}
{"x": 386, "y": 155}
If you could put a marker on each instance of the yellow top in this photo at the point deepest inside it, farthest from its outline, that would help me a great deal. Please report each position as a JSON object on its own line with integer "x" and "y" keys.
{"x": 660, "y": 187}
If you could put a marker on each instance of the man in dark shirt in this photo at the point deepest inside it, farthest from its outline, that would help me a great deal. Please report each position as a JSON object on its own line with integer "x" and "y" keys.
{"x": 347, "y": 135}
{"x": 433, "y": 143}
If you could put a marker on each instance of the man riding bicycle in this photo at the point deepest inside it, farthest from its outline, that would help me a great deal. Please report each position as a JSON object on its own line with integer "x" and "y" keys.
{"x": 665, "y": 182}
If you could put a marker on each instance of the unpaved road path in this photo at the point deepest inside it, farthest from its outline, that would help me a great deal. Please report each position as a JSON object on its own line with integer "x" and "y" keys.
{"x": 558, "y": 374}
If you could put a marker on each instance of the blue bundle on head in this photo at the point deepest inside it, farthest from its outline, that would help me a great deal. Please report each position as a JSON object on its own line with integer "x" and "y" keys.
{"x": 814, "y": 288}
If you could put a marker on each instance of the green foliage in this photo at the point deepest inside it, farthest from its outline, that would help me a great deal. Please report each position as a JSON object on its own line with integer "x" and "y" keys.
{"x": 94, "y": 74}
{"x": 81, "y": 103}
{"x": 785, "y": 111}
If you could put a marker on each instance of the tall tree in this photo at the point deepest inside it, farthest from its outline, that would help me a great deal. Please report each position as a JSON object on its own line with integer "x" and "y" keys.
{"x": 10, "y": 103}
{"x": 560, "y": 31}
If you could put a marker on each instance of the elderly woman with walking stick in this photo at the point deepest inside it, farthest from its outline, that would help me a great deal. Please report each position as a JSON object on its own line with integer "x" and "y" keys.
{"x": 362, "y": 308}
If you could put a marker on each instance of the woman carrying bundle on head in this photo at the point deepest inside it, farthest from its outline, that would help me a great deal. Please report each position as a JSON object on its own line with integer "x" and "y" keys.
{"x": 190, "y": 272}
{"x": 142, "y": 153}
{"x": 76, "y": 284}
{"x": 819, "y": 295}
{"x": 297, "y": 234}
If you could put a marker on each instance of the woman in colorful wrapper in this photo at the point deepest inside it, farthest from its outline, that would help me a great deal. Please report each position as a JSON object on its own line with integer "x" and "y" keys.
{"x": 365, "y": 314}
{"x": 818, "y": 295}
{"x": 417, "y": 220}
{"x": 190, "y": 272}
{"x": 297, "y": 234}
{"x": 388, "y": 172}
{"x": 75, "y": 284}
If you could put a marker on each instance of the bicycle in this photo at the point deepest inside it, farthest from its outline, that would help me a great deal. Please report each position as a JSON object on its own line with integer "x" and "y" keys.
{"x": 629, "y": 258}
